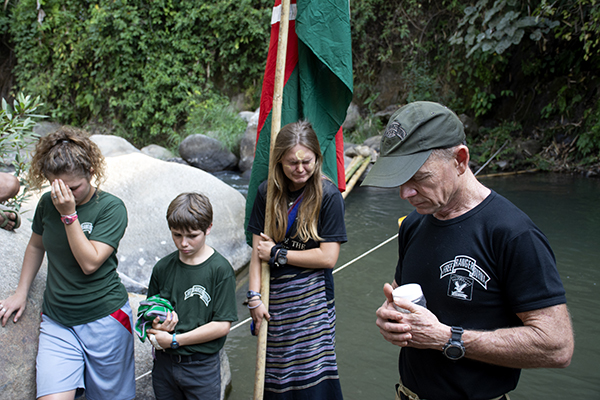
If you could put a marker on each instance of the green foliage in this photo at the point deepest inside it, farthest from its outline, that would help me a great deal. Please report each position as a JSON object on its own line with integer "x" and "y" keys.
{"x": 590, "y": 31}
{"x": 481, "y": 102}
{"x": 589, "y": 140}
{"x": 136, "y": 65}
{"x": 566, "y": 97}
{"x": 382, "y": 30}
{"x": 214, "y": 117}
{"x": 17, "y": 137}
{"x": 365, "y": 128}
{"x": 500, "y": 26}
{"x": 492, "y": 140}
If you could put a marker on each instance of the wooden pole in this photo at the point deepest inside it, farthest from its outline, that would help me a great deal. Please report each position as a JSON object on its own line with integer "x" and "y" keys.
{"x": 261, "y": 348}
{"x": 356, "y": 176}
{"x": 526, "y": 171}
{"x": 353, "y": 166}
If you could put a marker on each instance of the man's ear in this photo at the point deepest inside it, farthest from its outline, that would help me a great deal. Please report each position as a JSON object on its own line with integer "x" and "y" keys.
{"x": 208, "y": 230}
{"x": 462, "y": 159}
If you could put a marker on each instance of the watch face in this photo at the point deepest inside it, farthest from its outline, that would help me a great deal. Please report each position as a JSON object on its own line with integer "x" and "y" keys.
{"x": 282, "y": 257}
{"x": 174, "y": 345}
{"x": 454, "y": 352}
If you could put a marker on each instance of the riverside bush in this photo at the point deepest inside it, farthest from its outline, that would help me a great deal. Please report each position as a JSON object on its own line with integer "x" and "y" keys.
{"x": 17, "y": 137}
{"x": 136, "y": 65}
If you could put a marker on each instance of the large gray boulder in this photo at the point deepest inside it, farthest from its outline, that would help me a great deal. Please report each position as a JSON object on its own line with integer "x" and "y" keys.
{"x": 248, "y": 146}
{"x": 18, "y": 342}
{"x": 156, "y": 151}
{"x": 147, "y": 186}
{"x": 352, "y": 117}
{"x": 206, "y": 153}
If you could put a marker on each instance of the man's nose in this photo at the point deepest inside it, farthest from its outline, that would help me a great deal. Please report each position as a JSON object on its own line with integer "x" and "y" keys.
{"x": 407, "y": 191}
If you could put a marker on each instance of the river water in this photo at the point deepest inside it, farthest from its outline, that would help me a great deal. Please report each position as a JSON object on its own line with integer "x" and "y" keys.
{"x": 564, "y": 207}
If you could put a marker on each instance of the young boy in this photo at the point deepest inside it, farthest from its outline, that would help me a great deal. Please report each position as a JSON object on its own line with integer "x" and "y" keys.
{"x": 200, "y": 284}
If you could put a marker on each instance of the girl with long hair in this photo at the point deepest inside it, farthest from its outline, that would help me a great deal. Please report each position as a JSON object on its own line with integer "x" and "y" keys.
{"x": 307, "y": 231}
{"x": 85, "y": 341}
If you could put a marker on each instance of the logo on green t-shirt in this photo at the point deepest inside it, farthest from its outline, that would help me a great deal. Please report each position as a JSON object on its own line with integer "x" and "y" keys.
{"x": 87, "y": 227}
{"x": 200, "y": 291}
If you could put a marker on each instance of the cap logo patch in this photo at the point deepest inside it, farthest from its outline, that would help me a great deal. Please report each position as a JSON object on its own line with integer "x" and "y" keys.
{"x": 395, "y": 130}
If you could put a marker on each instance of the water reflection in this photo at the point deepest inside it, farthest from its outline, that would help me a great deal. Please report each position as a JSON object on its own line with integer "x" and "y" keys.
{"x": 564, "y": 207}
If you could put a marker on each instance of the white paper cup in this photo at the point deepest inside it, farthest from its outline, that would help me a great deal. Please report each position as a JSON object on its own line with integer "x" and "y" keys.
{"x": 411, "y": 292}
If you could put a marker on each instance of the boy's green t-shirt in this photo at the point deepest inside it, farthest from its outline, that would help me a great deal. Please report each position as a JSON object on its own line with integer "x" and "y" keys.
{"x": 72, "y": 297}
{"x": 199, "y": 294}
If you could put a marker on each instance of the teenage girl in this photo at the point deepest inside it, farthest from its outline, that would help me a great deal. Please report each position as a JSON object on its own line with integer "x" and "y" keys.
{"x": 85, "y": 342}
{"x": 307, "y": 230}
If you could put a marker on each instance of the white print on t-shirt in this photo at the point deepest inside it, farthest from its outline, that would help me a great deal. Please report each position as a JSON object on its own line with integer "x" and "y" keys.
{"x": 87, "y": 227}
{"x": 460, "y": 286}
{"x": 200, "y": 291}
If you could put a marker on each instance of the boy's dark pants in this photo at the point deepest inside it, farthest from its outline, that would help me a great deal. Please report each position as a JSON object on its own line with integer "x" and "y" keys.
{"x": 187, "y": 377}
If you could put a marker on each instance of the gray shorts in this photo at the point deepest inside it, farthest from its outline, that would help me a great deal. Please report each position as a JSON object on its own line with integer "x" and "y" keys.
{"x": 96, "y": 357}
{"x": 186, "y": 377}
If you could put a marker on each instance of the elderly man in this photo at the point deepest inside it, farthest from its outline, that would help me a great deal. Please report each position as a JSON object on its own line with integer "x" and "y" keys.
{"x": 495, "y": 301}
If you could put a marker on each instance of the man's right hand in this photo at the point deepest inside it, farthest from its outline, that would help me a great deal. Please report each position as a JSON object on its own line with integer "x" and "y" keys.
{"x": 390, "y": 323}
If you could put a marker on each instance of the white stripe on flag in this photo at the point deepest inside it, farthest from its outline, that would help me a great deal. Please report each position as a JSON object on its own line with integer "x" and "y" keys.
{"x": 276, "y": 17}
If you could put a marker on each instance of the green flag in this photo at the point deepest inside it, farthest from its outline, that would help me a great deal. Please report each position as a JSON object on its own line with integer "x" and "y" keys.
{"x": 318, "y": 84}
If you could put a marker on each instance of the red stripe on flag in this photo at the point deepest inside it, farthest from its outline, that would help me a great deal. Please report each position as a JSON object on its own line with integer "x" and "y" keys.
{"x": 341, "y": 169}
{"x": 268, "y": 87}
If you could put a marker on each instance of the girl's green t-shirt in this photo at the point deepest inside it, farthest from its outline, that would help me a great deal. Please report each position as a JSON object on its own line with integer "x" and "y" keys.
{"x": 72, "y": 297}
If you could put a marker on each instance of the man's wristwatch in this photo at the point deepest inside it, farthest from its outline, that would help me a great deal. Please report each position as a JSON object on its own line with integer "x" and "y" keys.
{"x": 174, "y": 343}
{"x": 282, "y": 257}
{"x": 455, "y": 349}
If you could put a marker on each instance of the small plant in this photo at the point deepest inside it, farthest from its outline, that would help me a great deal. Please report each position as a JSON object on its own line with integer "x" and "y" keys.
{"x": 17, "y": 137}
{"x": 214, "y": 117}
{"x": 492, "y": 140}
{"x": 482, "y": 102}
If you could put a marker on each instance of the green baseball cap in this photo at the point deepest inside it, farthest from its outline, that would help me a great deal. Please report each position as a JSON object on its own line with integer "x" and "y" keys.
{"x": 413, "y": 131}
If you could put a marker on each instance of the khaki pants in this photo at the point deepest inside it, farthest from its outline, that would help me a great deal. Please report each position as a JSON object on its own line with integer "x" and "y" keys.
{"x": 404, "y": 393}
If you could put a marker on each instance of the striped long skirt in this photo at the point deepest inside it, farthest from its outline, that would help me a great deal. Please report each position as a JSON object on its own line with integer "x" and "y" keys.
{"x": 301, "y": 362}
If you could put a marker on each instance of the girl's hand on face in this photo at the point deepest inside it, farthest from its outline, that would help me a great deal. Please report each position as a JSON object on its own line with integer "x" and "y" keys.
{"x": 62, "y": 197}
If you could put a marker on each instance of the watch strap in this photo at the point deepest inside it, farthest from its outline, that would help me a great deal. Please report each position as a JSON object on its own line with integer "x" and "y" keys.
{"x": 252, "y": 293}
{"x": 69, "y": 219}
{"x": 174, "y": 343}
{"x": 454, "y": 349}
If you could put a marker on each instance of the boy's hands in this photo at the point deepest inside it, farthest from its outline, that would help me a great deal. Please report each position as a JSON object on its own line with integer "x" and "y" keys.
{"x": 163, "y": 331}
{"x": 163, "y": 338}
{"x": 168, "y": 325}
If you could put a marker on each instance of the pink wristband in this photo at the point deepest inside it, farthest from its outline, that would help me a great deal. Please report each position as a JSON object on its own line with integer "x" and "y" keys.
{"x": 69, "y": 219}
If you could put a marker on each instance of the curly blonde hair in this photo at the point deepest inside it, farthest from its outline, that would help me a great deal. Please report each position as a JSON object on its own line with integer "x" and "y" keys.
{"x": 67, "y": 150}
